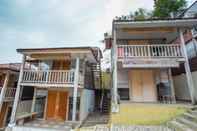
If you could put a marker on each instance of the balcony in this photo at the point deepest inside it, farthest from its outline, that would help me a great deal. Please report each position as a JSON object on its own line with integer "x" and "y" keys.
{"x": 52, "y": 78}
{"x": 150, "y": 51}
{"x": 10, "y": 94}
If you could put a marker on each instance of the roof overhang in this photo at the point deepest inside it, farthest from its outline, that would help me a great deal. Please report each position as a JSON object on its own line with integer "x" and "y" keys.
{"x": 152, "y": 29}
{"x": 48, "y": 53}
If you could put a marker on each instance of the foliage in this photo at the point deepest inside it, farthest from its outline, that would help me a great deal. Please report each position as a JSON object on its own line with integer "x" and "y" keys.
{"x": 164, "y": 8}
{"x": 141, "y": 14}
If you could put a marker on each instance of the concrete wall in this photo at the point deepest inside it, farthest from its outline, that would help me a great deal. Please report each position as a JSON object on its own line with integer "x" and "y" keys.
{"x": 181, "y": 88}
{"x": 86, "y": 103}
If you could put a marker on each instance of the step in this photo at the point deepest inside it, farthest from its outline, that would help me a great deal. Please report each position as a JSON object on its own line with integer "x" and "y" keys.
{"x": 177, "y": 126}
{"x": 194, "y": 112}
{"x": 190, "y": 116}
{"x": 188, "y": 123}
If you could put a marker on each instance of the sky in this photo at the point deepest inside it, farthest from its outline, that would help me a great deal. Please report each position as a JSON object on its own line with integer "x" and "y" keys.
{"x": 58, "y": 23}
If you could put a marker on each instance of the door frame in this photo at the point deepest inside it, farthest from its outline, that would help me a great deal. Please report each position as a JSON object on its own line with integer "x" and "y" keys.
{"x": 67, "y": 105}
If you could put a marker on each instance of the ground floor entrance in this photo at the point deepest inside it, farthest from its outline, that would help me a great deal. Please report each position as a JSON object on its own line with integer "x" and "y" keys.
{"x": 142, "y": 85}
{"x": 57, "y": 105}
{"x": 145, "y": 85}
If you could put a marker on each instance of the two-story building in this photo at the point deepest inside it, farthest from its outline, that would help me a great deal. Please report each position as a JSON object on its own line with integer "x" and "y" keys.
{"x": 63, "y": 84}
{"x": 143, "y": 54}
{"x": 8, "y": 82}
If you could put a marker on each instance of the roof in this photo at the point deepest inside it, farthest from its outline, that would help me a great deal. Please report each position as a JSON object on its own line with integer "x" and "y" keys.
{"x": 185, "y": 11}
{"x": 151, "y": 29}
{"x": 94, "y": 50}
{"x": 10, "y": 66}
{"x": 161, "y": 22}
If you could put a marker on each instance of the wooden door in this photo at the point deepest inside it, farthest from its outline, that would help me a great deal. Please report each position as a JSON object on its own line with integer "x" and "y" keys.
{"x": 61, "y": 64}
{"x": 136, "y": 85}
{"x": 51, "y": 104}
{"x": 57, "y": 105}
{"x": 142, "y": 84}
{"x": 149, "y": 87}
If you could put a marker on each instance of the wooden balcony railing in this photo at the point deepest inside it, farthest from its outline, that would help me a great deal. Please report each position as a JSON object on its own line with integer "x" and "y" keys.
{"x": 50, "y": 77}
{"x": 10, "y": 93}
{"x": 153, "y": 51}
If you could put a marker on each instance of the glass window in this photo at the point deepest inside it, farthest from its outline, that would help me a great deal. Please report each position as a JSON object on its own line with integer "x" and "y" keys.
{"x": 191, "y": 49}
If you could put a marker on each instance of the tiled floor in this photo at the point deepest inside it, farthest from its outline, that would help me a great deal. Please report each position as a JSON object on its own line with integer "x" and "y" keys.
{"x": 56, "y": 125}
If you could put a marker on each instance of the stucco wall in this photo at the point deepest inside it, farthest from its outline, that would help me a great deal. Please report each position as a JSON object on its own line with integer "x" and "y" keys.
{"x": 86, "y": 103}
{"x": 181, "y": 88}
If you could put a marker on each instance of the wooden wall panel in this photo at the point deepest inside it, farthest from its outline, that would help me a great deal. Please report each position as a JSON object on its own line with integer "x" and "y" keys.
{"x": 61, "y": 65}
{"x": 3, "y": 114}
{"x": 136, "y": 85}
{"x": 51, "y": 104}
{"x": 149, "y": 87}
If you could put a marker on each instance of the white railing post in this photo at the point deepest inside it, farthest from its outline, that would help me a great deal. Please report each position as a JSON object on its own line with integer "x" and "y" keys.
{"x": 17, "y": 95}
{"x": 3, "y": 90}
{"x": 76, "y": 81}
{"x": 34, "y": 100}
{"x": 187, "y": 69}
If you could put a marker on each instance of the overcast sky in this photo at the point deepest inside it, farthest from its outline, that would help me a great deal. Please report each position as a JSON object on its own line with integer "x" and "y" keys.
{"x": 58, "y": 23}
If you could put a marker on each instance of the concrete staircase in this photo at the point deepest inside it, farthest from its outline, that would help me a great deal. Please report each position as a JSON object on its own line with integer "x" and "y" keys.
{"x": 186, "y": 122}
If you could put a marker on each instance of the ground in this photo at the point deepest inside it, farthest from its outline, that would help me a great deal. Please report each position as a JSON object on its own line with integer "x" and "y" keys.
{"x": 146, "y": 114}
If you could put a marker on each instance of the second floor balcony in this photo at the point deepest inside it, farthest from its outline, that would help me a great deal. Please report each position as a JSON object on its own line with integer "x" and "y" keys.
{"x": 9, "y": 93}
{"x": 52, "y": 78}
{"x": 157, "y": 51}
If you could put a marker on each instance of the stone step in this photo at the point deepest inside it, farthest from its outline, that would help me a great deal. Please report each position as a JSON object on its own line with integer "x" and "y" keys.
{"x": 194, "y": 112}
{"x": 188, "y": 123}
{"x": 177, "y": 126}
{"x": 190, "y": 117}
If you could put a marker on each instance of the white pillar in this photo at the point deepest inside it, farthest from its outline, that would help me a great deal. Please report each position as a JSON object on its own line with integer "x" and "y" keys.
{"x": 34, "y": 100}
{"x": 187, "y": 68}
{"x": 114, "y": 68}
{"x": 76, "y": 81}
{"x": 17, "y": 95}
{"x": 171, "y": 85}
{"x": 3, "y": 90}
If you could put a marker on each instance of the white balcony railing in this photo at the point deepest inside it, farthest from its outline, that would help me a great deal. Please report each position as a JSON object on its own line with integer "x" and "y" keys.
{"x": 50, "y": 77}
{"x": 10, "y": 93}
{"x": 153, "y": 51}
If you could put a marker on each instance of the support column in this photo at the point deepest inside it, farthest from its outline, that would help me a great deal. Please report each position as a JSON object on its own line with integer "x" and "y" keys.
{"x": 171, "y": 85}
{"x": 34, "y": 100}
{"x": 114, "y": 73}
{"x": 76, "y": 81}
{"x": 3, "y": 90}
{"x": 17, "y": 95}
{"x": 187, "y": 68}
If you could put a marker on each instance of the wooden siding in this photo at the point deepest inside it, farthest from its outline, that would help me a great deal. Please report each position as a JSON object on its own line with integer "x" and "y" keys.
{"x": 3, "y": 114}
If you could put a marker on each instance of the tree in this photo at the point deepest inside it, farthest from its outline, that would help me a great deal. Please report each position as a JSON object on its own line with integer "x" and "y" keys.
{"x": 141, "y": 14}
{"x": 164, "y": 8}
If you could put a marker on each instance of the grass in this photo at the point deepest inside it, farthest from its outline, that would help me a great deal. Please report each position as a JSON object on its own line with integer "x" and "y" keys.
{"x": 146, "y": 114}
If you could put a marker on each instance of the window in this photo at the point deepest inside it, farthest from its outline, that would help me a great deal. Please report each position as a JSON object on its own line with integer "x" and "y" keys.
{"x": 191, "y": 49}
{"x": 123, "y": 93}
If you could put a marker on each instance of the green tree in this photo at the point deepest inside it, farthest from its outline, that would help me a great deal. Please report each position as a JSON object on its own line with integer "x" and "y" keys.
{"x": 141, "y": 14}
{"x": 164, "y": 8}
